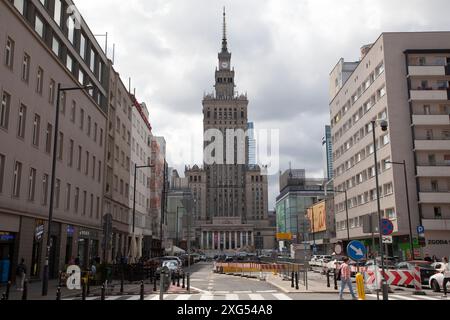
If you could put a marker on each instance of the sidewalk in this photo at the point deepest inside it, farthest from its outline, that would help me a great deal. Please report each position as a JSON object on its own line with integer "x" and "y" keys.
{"x": 35, "y": 290}
{"x": 316, "y": 284}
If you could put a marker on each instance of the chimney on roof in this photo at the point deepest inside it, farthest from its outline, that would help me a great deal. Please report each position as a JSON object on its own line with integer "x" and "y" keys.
{"x": 365, "y": 50}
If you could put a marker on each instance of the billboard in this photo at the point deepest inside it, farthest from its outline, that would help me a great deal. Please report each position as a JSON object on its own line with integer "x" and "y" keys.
{"x": 317, "y": 217}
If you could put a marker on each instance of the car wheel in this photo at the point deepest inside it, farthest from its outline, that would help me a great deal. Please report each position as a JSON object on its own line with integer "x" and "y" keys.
{"x": 435, "y": 286}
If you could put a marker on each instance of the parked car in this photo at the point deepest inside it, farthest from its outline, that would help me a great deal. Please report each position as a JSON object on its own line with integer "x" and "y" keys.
{"x": 388, "y": 264}
{"x": 173, "y": 266}
{"x": 426, "y": 270}
{"x": 436, "y": 282}
{"x": 203, "y": 258}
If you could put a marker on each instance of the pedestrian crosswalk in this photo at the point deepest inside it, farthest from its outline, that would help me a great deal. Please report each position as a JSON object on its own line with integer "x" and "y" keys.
{"x": 201, "y": 297}
{"x": 397, "y": 297}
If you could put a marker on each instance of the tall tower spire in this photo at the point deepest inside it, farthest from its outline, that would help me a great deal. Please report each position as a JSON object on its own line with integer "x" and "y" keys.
{"x": 224, "y": 39}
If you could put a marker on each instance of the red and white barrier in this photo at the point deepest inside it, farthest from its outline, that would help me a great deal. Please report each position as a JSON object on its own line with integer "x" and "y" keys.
{"x": 395, "y": 278}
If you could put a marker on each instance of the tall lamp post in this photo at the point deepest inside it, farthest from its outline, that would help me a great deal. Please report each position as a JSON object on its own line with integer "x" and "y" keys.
{"x": 411, "y": 240}
{"x": 52, "y": 186}
{"x": 136, "y": 167}
{"x": 384, "y": 126}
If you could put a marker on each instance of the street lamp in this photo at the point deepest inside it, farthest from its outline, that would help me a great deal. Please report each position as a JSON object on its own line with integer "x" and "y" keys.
{"x": 411, "y": 240}
{"x": 384, "y": 127}
{"x": 52, "y": 186}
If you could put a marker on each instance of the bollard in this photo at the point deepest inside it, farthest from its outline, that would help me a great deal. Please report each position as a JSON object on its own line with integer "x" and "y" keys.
{"x": 25, "y": 290}
{"x": 335, "y": 280}
{"x": 178, "y": 280}
{"x": 184, "y": 276}
{"x": 8, "y": 288}
{"x": 58, "y": 294}
{"x": 103, "y": 293}
{"x": 88, "y": 288}
{"x": 188, "y": 282}
{"x": 142, "y": 290}
{"x": 296, "y": 281}
{"x": 154, "y": 283}
{"x": 173, "y": 280}
{"x": 3, "y": 297}
{"x": 83, "y": 290}
{"x": 360, "y": 286}
{"x": 292, "y": 280}
{"x": 328, "y": 279}
{"x": 121, "y": 282}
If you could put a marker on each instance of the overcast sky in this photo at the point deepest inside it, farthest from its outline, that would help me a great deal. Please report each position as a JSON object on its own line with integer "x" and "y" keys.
{"x": 283, "y": 51}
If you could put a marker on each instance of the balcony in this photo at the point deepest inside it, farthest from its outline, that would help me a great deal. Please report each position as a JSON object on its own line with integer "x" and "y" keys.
{"x": 434, "y": 197}
{"x": 425, "y": 120}
{"x": 432, "y": 145}
{"x": 436, "y": 224}
{"x": 433, "y": 171}
{"x": 426, "y": 70}
{"x": 430, "y": 95}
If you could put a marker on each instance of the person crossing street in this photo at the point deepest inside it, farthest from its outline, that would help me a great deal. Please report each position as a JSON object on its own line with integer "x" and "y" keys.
{"x": 445, "y": 270}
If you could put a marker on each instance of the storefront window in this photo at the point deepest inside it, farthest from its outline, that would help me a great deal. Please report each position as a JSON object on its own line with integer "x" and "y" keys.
{"x": 7, "y": 241}
{"x": 37, "y": 249}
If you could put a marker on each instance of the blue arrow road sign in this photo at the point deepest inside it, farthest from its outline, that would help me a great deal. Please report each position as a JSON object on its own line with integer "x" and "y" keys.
{"x": 356, "y": 250}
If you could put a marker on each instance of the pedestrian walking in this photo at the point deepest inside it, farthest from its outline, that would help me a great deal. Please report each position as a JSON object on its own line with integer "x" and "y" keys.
{"x": 21, "y": 273}
{"x": 445, "y": 270}
{"x": 346, "y": 279}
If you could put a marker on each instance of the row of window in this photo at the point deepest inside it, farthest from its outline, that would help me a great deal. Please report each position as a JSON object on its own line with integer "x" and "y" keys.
{"x": 359, "y": 93}
{"x": 227, "y": 114}
{"x": 358, "y": 222}
{"x": 33, "y": 185}
{"x": 369, "y": 196}
{"x": 76, "y": 37}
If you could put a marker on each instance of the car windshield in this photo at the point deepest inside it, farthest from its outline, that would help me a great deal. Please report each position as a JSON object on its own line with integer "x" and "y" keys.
{"x": 170, "y": 264}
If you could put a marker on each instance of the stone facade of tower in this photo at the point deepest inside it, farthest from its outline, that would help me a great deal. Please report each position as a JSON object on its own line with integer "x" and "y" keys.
{"x": 231, "y": 196}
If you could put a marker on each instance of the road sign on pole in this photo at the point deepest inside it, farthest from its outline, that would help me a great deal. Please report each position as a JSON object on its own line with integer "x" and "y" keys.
{"x": 388, "y": 240}
{"x": 356, "y": 250}
{"x": 387, "y": 227}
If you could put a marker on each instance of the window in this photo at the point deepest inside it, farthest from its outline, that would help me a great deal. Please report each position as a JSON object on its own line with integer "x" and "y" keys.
{"x": 48, "y": 138}
{"x": 9, "y": 54}
{"x": 89, "y": 126}
{"x": 94, "y": 162}
{"x": 91, "y": 211}
{"x": 71, "y": 29}
{"x": 432, "y": 159}
{"x": 2, "y": 171}
{"x": 60, "y": 146}
{"x": 19, "y": 4}
{"x": 437, "y": 212}
{"x": 32, "y": 184}
{"x": 55, "y": 46}
{"x": 82, "y": 46}
{"x": 427, "y": 110}
{"x": 95, "y": 132}
{"x": 40, "y": 80}
{"x": 84, "y": 202}
{"x": 57, "y": 192}
{"x": 57, "y": 12}
{"x": 99, "y": 171}
{"x": 434, "y": 186}
{"x": 22, "y": 121}
{"x": 86, "y": 172}
{"x": 98, "y": 208}
{"x": 36, "y": 129}
{"x": 81, "y": 119}
{"x": 386, "y": 140}
{"x": 16, "y": 179}
{"x": 388, "y": 189}
{"x": 429, "y": 134}
{"x": 45, "y": 189}
{"x": 101, "y": 137}
{"x": 73, "y": 111}
{"x": 77, "y": 199}
{"x": 68, "y": 195}
{"x": 26, "y": 67}
{"x": 71, "y": 146}
{"x": 390, "y": 214}
{"x": 81, "y": 77}
{"x": 80, "y": 150}
{"x": 4, "y": 110}
{"x": 51, "y": 92}
{"x": 39, "y": 26}
{"x": 69, "y": 62}
{"x": 92, "y": 61}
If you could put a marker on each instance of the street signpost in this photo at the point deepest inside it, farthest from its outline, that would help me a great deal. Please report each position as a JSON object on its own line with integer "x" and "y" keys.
{"x": 421, "y": 233}
{"x": 356, "y": 250}
{"x": 387, "y": 227}
{"x": 388, "y": 240}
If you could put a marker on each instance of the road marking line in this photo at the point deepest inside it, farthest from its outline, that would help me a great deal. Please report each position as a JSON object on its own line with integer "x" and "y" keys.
{"x": 92, "y": 298}
{"x": 381, "y": 297}
{"x": 134, "y": 298}
{"x": 401, "y": 297}
{"x": 183, "y": 297}
{"x": 153, "y": 297}
{"x": 222, "y": 292}
{"x": 114, "y": 298}
{"x": 256, "y": 297}
{"x": 232, "y": 297}
{"x": 200, "y": 290}
{"x": 267, "y": 291}
{"x": 207, "y": 297}
{"x": 428, "y": 298}
{"x": 243, "y": 292}
{"x": 282, "y": 296}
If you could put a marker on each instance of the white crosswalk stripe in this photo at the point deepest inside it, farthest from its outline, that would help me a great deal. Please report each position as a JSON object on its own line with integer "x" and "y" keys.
{"x": 232, "y": 297}
{"x": 113, "y": 298}
{"x": 256, "y": 297}
{"x": 282, "y": 296}
{"x": 183, "y": 297}
{"x": 206, "y": 297}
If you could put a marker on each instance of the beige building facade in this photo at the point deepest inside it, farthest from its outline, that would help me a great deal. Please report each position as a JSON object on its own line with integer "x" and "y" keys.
{"x": 402, "y": 78}
{"x": 39, "y": 50}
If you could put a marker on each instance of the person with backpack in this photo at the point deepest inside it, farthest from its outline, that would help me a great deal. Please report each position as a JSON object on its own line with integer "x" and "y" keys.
{"x": 21, "y": 273}
{"x": 346, "y": 278}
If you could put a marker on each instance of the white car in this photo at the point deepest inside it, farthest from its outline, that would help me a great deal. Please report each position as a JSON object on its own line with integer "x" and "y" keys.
{"x": 437, "y": 282}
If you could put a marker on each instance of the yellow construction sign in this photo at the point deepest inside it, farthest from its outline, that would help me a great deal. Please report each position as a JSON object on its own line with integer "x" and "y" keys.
{"x": 284, "y": 236}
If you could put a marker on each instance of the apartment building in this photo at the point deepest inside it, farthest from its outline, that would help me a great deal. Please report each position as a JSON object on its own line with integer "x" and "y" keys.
{"x": 41, "y": 47}
{"x": 141, "y": 137}
{"x": 118, "y": 168}
{"x": 402, "y": 78}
